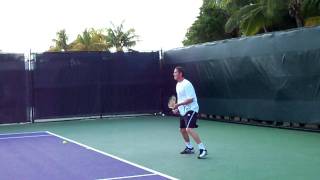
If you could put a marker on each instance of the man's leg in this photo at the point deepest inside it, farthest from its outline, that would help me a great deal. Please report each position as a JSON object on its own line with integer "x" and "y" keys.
{"x": 194, "y": 135}
{"x": 189, "y": 149}
{"x": 196, "y": 138}
{"x": 184, "y": 134}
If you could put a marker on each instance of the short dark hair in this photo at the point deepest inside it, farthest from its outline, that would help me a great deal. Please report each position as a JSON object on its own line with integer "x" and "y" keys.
{"x": 180, "y": 70}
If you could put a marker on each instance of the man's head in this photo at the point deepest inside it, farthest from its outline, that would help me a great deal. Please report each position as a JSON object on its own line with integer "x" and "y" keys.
{"x": 178, "y": 73}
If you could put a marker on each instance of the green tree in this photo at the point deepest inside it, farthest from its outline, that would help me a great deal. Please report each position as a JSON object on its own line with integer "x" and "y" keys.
{"x": 120, "y": 39}
{"x": 61, "y": 41}
{"x": 90, "y": 40}
{"x": 209, "y": 25}
{"x": 233, "y": 5}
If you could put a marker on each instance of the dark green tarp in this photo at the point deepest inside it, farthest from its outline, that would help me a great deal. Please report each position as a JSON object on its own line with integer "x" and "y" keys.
{"x": 274, "y": 76}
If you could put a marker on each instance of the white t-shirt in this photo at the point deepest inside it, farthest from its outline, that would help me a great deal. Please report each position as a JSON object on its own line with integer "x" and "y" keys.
{"x": 185, "y": 91}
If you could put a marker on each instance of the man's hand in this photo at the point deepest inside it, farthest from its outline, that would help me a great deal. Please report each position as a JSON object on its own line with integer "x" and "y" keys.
{"x": 186, "y": 102}
{"x": 175, "y": 107}
{"x": 175, "y": 111}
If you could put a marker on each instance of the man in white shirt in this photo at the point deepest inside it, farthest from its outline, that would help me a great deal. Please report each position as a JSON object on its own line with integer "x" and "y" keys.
{"x": 188, "y": 108}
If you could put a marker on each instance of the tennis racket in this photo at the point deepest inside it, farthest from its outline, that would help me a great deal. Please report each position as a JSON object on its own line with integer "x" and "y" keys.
{"x": 172, "y": 102}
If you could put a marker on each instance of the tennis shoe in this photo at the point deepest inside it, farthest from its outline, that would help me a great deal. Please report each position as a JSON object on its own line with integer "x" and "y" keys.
{"x": 202, "y": 154}
{"x": 187, "y": 151}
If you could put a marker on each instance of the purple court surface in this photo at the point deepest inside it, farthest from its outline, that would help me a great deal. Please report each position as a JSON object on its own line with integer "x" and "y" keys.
{"x": 44, "y": 155}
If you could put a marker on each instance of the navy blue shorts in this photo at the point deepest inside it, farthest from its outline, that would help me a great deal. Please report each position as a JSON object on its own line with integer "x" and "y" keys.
{"x": 189, "y": 120}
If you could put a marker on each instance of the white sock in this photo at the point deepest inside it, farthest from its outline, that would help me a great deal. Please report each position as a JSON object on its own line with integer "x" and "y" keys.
{"x": 201, "y": 146}
{"x": 189, "y": 145}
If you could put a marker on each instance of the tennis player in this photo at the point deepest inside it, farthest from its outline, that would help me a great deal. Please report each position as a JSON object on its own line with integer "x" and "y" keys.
{"x": 188, "y": 108}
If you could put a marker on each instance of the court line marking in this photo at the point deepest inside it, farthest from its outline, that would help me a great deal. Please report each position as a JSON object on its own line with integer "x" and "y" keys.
{"x": 34, "y": 132}
{"x": 21, "y": 137}
{"x": 113, "y": 156}
{"x": 90, "y": 117}
{"x": 129, "y": 177}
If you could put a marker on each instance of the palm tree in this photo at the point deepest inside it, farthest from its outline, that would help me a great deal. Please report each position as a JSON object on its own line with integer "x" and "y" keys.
{"x": 120, "y": 39}
{"x": 295, "y": 11}
{"x": 311, "y": 12}
{"x": 254, "y": 17}
{"x": 258, "y": 15}
{"x": 61, "y": 41}
{"x": 90, "y": 40}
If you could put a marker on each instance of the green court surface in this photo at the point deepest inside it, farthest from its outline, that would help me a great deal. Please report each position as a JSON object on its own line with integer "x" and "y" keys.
{"x": 236, "y": 152}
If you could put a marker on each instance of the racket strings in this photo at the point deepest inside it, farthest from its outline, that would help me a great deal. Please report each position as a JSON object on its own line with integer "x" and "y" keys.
{"x": 172, "y": 102}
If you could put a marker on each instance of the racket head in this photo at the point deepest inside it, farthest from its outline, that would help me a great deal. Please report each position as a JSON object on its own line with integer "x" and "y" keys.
{"x": 172, "y": 102}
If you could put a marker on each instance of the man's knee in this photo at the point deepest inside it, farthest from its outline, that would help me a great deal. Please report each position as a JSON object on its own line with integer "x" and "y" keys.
{"x": 189, "y": 130}
{"x": 183, "y": 130}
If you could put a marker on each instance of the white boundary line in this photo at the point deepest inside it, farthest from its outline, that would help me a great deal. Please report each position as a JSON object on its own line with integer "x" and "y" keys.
{"x": 90, "y": 117}
{"x": 113, "y": 156}
{"x": 16, "y": 124}
{"x": 21, "y": 137}
{"x": 126, "y": 115}
{"x": 66, "y": 119}
{"x": 34, "y": 132}
{"x": 129, "y": 177}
